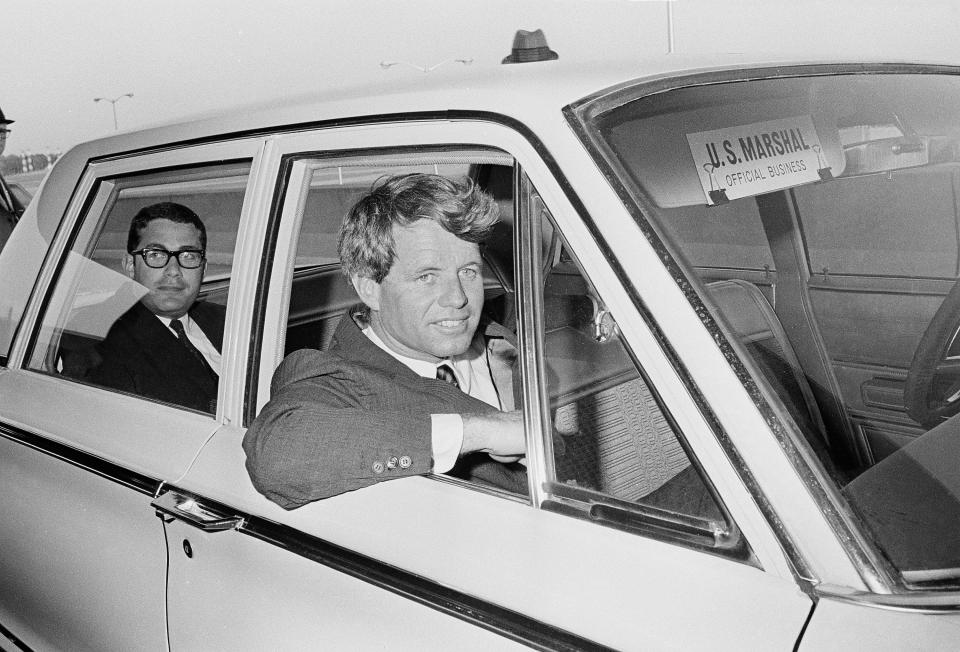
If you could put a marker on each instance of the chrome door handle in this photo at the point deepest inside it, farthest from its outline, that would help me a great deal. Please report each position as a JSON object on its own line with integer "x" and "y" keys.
{"x": 195, "y": 513}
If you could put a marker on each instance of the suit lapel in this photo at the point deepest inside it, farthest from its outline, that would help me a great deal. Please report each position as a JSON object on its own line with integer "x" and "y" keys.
{"x": 352, "y": 345}
{"x": 163, "y": 352}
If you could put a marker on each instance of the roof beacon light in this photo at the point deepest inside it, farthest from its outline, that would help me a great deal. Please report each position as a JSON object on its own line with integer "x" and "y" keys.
{"x": 529, "y": 47}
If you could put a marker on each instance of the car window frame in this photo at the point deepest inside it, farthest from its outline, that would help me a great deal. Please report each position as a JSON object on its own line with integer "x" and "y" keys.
{"x": 723, "y": 538}
{"x": 294, "y": 162}
{"x": 295, "y": 172}
{"x": 572, "y": 200}
{"x": 77, "y": 218}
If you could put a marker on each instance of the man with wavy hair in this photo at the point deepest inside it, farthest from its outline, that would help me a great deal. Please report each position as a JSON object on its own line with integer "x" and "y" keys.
{"x": 409, "y": 384}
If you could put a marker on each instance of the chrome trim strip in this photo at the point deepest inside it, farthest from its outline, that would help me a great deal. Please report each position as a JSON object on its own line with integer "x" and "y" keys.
{"x": 875, "y": 570}
{"x": 929, "y": 602}
{"x": 529, "y": 209}
{"x": 481, "y": 613}
{"x": 610, "y": 98}
{"x": 13, "y": 639}
{"x": 487, "y": 615}
{"x": 105, "y": 469}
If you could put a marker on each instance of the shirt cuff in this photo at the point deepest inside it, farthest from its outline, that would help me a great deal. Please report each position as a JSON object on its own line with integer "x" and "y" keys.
{"x": 447, "y": 439}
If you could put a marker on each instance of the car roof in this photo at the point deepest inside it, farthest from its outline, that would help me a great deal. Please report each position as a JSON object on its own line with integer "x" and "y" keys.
{"x": 517, "y": 90}
{"x": 531, "y": 93}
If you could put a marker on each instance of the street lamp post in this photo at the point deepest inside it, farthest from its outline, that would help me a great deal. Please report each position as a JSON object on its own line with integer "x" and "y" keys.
{"x": 113, "y": 103}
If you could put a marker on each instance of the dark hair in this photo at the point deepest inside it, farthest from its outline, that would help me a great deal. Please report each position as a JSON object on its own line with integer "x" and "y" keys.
{"x": 366, "y": 244}
{"x": 163, "y": 211}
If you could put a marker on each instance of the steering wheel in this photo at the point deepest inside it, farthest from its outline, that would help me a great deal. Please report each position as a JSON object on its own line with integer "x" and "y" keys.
{"x": 928, "y": 397}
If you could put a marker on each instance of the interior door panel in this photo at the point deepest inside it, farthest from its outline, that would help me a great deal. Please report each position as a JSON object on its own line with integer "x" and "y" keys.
{"x": 895, "y": 283}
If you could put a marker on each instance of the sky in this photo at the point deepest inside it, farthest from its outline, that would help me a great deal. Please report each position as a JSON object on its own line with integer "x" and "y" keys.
{"x": 182, "y": 57}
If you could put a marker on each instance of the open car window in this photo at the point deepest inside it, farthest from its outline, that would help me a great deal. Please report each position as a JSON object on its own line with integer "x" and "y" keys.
{"x": 320, "y": 294}
{"x": 817, "y": 217}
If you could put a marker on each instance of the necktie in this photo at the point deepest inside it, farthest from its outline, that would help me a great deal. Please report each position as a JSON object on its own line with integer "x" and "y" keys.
{"x": 177, "y": 326}
{"x": 445, "y": 373}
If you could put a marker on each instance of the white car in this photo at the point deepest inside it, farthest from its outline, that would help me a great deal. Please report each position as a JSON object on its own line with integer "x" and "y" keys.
{"x": 733, "y": 284}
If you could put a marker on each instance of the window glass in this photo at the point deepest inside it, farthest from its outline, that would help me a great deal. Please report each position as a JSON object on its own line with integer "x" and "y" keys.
{"x": 854, "y": 179}
{"x": 864, "y": 225}
{"x": 100, "y": 323}
{"x": 611, "y": 437}
{"x": 726, "y": 236}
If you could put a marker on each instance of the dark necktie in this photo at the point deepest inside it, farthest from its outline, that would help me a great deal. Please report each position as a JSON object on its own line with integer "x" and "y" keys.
{"x": 445, "y": 373}
{"x": 177, "y": 327}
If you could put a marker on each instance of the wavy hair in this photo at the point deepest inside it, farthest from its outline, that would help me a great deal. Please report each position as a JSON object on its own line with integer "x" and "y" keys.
{"x": 366, "y": 244}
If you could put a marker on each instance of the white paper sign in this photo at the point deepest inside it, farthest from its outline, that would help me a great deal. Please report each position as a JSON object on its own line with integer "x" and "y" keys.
{"x": 761, "y": 157}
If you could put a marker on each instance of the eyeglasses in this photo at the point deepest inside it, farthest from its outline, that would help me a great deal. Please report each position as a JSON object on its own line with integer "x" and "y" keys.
{"x": 158, "y": 258}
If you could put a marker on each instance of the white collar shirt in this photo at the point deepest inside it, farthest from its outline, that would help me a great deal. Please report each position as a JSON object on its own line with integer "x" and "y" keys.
{"x": 199, "y": 339}
{"x": 473, "y": 375}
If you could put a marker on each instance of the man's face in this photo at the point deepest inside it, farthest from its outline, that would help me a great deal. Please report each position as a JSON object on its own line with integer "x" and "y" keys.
{"x": 4, "y": 133}
{"x": 428, "y": 306}
{"x": 172, "y": 289}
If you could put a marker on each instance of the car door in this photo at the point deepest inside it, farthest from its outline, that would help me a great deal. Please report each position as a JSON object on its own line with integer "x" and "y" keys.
{"x": 84, "y": 555}
{"x": 423, "y": 561}
{"x": 909, "y": 217}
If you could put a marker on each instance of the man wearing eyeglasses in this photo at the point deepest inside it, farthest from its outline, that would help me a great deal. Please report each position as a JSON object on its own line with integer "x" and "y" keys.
{"x": 10, "y": 208}
{"x": 167, "y": 346}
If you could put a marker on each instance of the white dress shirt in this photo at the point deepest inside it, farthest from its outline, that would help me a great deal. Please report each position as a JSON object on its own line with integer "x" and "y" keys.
{"x": 199, "y": 339}
{"x": 473, "y": 375}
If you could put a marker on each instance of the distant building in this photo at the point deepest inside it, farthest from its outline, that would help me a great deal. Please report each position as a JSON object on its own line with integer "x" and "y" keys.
{"x": 27, "y": 162}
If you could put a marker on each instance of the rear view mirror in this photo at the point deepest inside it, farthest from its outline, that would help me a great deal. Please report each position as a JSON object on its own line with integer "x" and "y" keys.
{"x": 885, "y": 154}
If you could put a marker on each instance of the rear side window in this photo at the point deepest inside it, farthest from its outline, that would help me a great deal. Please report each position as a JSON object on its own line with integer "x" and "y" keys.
{"x": 94, "y": 290}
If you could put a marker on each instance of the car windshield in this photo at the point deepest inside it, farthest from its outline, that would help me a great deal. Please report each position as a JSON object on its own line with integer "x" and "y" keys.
{"x": 818, "y": 217}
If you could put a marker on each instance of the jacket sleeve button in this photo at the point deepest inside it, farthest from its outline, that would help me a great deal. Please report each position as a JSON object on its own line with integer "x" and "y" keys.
{"x": 392, "y": 463}
{"x": 378, "y": 467}
{"x": 405, "y": 462}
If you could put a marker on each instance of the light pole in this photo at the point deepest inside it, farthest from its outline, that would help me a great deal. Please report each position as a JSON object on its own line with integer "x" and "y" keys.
{"x": 113, "y": 103}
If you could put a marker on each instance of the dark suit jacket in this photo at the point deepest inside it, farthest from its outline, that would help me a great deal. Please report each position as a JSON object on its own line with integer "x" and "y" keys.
{"x": 337, "y": 418}
{"x": 141, "y": 356}
{"x": 10, "y": 211}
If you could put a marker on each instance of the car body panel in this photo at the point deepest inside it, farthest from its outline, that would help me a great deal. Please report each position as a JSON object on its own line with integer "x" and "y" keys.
{"x": 844, "y": 625}
{"x": 75, "y": 496}
{"x": 252, "y": 581}
{"x": 488, "y": 544}
{"x": 119, "y": 429}
{"x": 433, "y": 559}
{"x": 79, "y": 550}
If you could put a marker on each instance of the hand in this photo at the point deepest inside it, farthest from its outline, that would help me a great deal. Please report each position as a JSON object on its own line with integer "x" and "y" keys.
{"x": 499, "y": 434}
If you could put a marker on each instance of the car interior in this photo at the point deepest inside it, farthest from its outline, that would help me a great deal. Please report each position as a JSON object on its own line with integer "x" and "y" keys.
{"x": 829, "y": 270}
{"x": 612, "y": 435}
